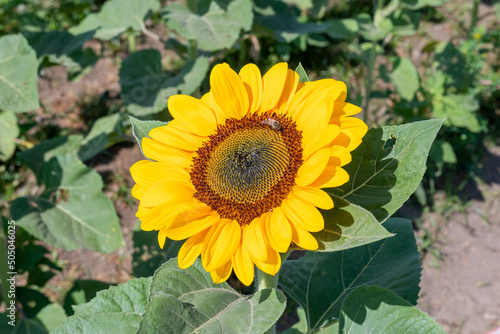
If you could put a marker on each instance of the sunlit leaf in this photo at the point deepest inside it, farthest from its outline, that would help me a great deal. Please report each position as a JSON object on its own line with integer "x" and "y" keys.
{"x": 320, "y": 282}
{"x": 18, "y": 74}
{"x": 388, "y": 166}
{"x": 370, "y": 309}
{"x": 187, "y": 301}
{"x": 8, "y": 133}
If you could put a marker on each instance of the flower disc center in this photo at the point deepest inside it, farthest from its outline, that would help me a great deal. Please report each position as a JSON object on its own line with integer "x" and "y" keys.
{"x": 248, "y": 167}
{"x": 247, "y": 164}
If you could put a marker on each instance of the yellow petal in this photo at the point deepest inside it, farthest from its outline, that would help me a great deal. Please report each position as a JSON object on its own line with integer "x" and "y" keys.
{"x": 303, "y": 239}
{"x": 164, "y": 191}
{"x": 162, "y": 238}
{"x": 312, "y": 167}
{"x": 302, "y": 215}
{"x": 163, "y": 153}
{"x": 138, "y": 191}
{"x": 250, "y": 74}
{"x": 291, "y": 83}
{"x": 163, "y": 215}
{"x": 314, "y": 196}
{"x": 271, "y": 265}
{"x": 332, "y": 176}
{"x": 311, "y": 91}
{"x": 341, "y": 153}
{"x": 175, "y": 137}
{"x": 228, "y": 91}
{"x": 314, "y": 116}
{"x": 192, "y": 114}
{"x": 222, "y": 273}
{"x": 191, "y": 249}
{"x": 243, "y": 265}
{"x": 319, "y": 139}
{"x": 181, "y": 228}
{"x": 273, "y": 83}
{"x": 253, "y": 239}
{"x": 221, "y": 244}
{"x": 279, "y": 232}
{"x": 152, "y": 172}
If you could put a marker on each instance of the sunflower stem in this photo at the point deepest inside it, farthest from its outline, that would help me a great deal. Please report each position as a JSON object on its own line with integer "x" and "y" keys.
{"x": 266, "y": 281}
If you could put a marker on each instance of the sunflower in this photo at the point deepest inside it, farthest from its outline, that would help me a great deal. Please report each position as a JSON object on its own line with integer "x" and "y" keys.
{"x": 239, "y": 173}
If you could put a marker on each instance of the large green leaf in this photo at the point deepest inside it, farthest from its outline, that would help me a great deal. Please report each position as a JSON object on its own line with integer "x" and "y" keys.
{"x": 187, "y": 301}
{"x": 117, "y": 310}
{"x": 117, "y": 16}
{"x": 217, "y": 29}
{"x": 347, "y": 226}
{"x": 388, "y": 166}
{"x": 146, "y": 88}
{"x": 37, "y": 156}
{"x": 371, "y": 309}
{"x": 8, "y": 133}
{"x": 320, "y": 282}
{"x": 64, "y": 48}
{"x": 18, "y": 74}
{"x": 73, "y": 213}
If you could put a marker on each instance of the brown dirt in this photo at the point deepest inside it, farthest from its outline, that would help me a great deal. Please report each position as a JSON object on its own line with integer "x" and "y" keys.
{"x": 463, "y": 292}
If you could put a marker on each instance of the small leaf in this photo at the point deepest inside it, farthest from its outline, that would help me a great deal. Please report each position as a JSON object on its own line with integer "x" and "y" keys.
{"x": 319, "y": 282}
{"x": 405, "y": 78}
{"x": 146, "y": 88}
{"x": 140, "y": 129}
{"x": 18, "y": 74}
{"x": 117, "y": 310}
{"x": 380, "y": 311}
{"x": 303, "y": 77}
{"x": 8, "y": 133}
{"x": 73, "y": 212}
{"x": 347, "y": 226}
{"x": 388, "y": 166}
{"x": 187, "y": 301}
{"x": 51, "y": 316}
{"x": 117, "y": 16}
{"x": 459, "y": 111}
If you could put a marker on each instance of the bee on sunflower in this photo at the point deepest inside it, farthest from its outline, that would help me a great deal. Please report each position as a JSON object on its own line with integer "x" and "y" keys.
{"x": 239, "y": 173}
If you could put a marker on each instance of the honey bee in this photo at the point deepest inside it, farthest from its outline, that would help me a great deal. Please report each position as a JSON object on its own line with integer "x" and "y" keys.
{"x": 271, "y": 122}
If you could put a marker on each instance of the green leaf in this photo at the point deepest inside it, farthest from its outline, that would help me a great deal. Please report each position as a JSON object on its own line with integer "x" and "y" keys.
{"x": 146, "y": 88}
{"x": 82, "y": 292}
{"x": 378, "y": 310}
{"x": 117, "y": 310}
{"x": 73, "y": 213}
{"x": 342, "y": 28}
{"x": 51, "y": 316}
{"x": 18, "y": 74}
{"x": 459, "y": 111}
{"x": 117, "y": 16}
{"x": 405, "y": 78}
{"x": 187, "y": 301}
{"x": 347, "y": 226}
{"x": 217, "y": 29}
{"x": 303, "y": 77}
{"x": 105, "y": 131}
{"x": 37, "y": 156}
{"x": 8, "y": 133}
{"x": 22, "y": 326}
{"x": 442, "y": 152}
{"x": 388, "y": 166}
{"x": 319, "y": 282}
{"x": 33, "y": 301}
{"x": 140, "y": 129}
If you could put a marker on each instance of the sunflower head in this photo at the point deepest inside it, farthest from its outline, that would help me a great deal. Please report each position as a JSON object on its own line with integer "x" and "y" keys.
{"x": 239, "y": 173}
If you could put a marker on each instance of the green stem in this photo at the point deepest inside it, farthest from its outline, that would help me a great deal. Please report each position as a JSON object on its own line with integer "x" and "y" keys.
{"x": 192, "y": 49}
{"x": 131, "y": 43}
{"x": 368, "y": 84}
{"x": 266, "y": 281}
{"x": 474, "y": 14}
